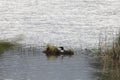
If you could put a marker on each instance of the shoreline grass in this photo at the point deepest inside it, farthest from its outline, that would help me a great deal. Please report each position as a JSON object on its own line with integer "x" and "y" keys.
{"x": 6, "y": 45}
{"x": 112, "y": 52}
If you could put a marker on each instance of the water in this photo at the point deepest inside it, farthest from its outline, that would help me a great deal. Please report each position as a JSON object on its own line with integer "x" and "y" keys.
{"x": 75, "y": 23}
{"x": 71, "y": 23}
{"x": 29, "y": 65}
{"x": 32, "y": 64}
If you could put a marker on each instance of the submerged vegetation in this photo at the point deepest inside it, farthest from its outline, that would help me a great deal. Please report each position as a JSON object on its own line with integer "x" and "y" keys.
{"x": 52, "y": 50}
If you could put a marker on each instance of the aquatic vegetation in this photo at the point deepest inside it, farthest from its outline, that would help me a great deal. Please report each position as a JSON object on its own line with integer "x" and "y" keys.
{"x": 110, "y": 70}
{"x": 51, "y": 50}
{"x": 5, "y": 45}
{"x": 68, "y": 52}
{"x": 54, "y": 50}
{"x": 114, "y": 51}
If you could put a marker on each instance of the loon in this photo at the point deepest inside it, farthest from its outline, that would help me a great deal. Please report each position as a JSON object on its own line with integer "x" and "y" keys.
{"x": 61, "y": 49}
{"x": 65, "y": 52}
{"x": 57, "y": 51}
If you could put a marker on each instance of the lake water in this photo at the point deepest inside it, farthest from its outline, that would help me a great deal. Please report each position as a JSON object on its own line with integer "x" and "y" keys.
{"x": 32, "y": 64}
{"x": 75, "y": 23}
{"x": 72, "y": 23}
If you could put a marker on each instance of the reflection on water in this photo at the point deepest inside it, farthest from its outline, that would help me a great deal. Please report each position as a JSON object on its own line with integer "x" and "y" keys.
{"x": 31, "y": 64}
{"x": 53, "y": 57}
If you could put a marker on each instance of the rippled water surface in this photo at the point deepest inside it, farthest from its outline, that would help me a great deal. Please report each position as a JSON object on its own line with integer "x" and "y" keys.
{"x": 71, "y": 23}
{"x": 61, "y": 22}
{"x": 32, "y": 64}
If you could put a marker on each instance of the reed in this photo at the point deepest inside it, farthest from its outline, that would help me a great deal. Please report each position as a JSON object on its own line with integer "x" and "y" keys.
{"x": 114, "y": 51}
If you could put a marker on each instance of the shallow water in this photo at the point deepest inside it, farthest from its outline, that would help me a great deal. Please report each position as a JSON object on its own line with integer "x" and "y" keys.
{"x": 71, "y": 23}
{"x": 76, "y": 23}
{"x": 32, "y": 64}
{"x": 24, "y": 64}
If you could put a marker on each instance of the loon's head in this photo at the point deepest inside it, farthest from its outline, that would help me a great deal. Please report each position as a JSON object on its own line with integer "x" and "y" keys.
{"x": 61, "y": 49}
